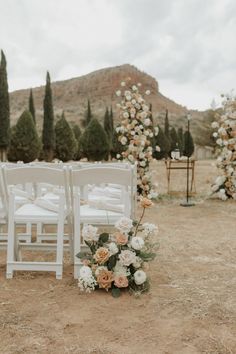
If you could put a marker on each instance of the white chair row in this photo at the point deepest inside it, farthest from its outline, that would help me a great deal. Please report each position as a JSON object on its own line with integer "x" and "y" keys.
{"x": 68, "y": 184}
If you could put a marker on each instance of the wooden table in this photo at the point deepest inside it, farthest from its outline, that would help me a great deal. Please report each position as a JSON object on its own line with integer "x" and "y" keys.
{"x": 172, "y": 164}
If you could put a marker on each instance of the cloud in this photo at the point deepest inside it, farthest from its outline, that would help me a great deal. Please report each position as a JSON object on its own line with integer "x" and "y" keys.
{"x": 188, "y": 46}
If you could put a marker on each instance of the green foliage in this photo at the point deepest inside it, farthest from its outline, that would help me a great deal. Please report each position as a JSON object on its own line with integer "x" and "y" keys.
{"x": 167, "y": 125}
{"x": 25, "y": 144}
{"x": 77, "y": 131}
{"x": 88, "y": 115}
{"x": 162, "y": 141}
{"x": 31, "y": 106}
{"x": 4, "y": 107}
{"x": 48, "y": 136}
{"x": 108, "y": 128}
{"x": 180, "y": 140}
{"x": 173, "y": 139}
{"x": 77, "y": 134}
{"x": 66, "y": 143}
{"x": 111, "y": 120}
{"x": 94, "y": 142}
{"x": 117, "y": 147}
{"x": 188, "y": 144}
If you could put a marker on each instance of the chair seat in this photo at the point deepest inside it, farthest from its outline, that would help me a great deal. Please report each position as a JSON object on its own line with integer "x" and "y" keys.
{"x": 32, "y": 212}
{"x": 88, "y": 214}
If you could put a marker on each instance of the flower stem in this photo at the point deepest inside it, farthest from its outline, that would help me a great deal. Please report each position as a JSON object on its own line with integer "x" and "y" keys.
{"x": 141, "y": 217}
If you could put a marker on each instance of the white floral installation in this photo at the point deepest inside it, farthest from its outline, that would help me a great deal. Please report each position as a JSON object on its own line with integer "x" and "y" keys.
{"x": 135, "y": 133}
{"x": 225, "y": 135}
{"x": 119, "y": 260}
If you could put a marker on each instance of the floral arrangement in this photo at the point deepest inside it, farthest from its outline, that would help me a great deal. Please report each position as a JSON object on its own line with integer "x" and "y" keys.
{"x": 225, "y": 135}
{"x": 118, "y": 260}
{"x": 136, "y": 133}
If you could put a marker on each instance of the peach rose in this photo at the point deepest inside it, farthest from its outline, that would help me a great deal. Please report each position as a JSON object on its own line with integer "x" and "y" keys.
{"x": 102, "y": 255}
{"x": 146, "y": 203}
{"x": 121, "y": 281}
{"x": 104, "y": 279}
{"x": 121, "y": 239}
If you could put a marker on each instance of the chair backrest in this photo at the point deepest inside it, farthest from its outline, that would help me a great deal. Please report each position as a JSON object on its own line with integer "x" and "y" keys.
{"x": 35, "y": 175}
{"x": 100, "y": 175}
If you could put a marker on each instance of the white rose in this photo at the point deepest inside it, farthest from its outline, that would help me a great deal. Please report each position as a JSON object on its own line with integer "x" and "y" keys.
{"x": 141, "y": 155}
{"x": 139, "y": 84}
{"x": 85, "y": 272}
{"x": 113, "y": 248}
{"x": 118, "y": 93}
{"x": 127, "y": 257}
{"x": 124, "y": 224}
{"x": 215, "y": 134}
{"x": 123, "y": 140}
{"x": 122, "y": 83}
{"x": 158, "y": 148}
{"x": 126, "y": 115}
{"x": 143, "y": 163}
{"x": 147, "y": 121}
{"x": 118, "y": 156}
{"x": 148, "y": 92}
{"x": 133, "y": 101}
{"x": 215, "y": 125}
{"x": 134, "y": 88}
{"x": 137, "y": 243}
{"x": 128, "y": 97}
{"x": 89, "y": 233}
{"x": 119, "y": 269}
{"x": 219, "y": 141}
{"x": 140, "y": 277}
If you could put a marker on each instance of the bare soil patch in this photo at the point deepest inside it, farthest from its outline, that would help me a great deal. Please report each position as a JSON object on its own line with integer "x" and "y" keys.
{"x": 190, "y": 309}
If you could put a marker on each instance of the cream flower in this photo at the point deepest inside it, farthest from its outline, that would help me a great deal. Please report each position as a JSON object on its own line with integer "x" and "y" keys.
{"x": 124, "y": 224}
{"x": 140, "y": 277}
{"x": 113, "y": 248}
{"x": 85, "y": 272}
{"x": 137, "y": 243}
{"x": 127, "y": 257}
{"x": 89, "y": 233}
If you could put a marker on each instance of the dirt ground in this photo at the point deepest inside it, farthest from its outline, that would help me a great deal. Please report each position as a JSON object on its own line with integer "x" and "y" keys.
{"x": 190, "y": 309}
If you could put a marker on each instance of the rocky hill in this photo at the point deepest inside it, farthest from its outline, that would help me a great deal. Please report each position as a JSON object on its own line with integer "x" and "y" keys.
{"x": 100, "y": 87}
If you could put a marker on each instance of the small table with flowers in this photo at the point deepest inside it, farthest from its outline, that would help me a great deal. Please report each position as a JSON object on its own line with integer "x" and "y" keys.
{"x": 181, "y": 164}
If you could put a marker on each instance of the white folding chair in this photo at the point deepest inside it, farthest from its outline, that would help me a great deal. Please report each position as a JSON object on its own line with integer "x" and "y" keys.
{"x": 32, "y": 212}
{"x": 84, "y": 214}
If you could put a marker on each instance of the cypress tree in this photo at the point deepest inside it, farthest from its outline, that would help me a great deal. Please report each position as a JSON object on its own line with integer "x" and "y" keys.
{"x": 188, "y": 144}
{"x": 162, "y": 141}
{"x": 66, "y": 143}
{"x": 108, "y": 128}
{"x": 180, "y": 140}
{"x": 25, "y": 144}
{"x": 167, "y": 125}
{"x": 48, "y": 135}
{"x": 111, "y": 120}
{"x": 77, "y": 134}
{"x": 4, "y": 109}
{"x": 94, "y": 142}
{"x": 31, "y": 105}
{"x": 174, "y": 139}
{"x": 88, "y": 116}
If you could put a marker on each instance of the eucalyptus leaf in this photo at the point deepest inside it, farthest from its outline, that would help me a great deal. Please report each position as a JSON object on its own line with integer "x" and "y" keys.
{"x": 104, "y": 237}
{"x": 116, "y": 292}
{"x": 111, "y": 262}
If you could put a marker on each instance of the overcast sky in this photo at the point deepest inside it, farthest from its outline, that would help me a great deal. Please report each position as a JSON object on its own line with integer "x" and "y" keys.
{"x": 189, "y": 46}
